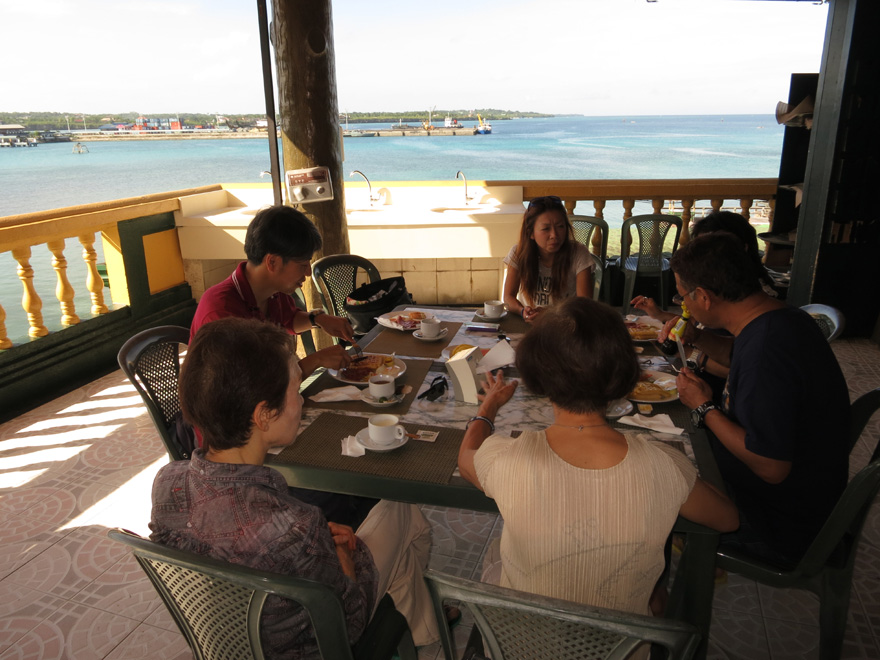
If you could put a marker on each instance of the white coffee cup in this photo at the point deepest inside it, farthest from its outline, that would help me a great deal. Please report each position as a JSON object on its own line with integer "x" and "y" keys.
{"x": 384, "y": 429}
{"x": 430, "y": 328}
{"x": 493, "y": 308}
{"x": 381, "y": 387}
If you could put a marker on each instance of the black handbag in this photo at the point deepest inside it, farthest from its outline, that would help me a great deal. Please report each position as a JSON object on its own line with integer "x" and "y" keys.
{"x": 370, "y": 300}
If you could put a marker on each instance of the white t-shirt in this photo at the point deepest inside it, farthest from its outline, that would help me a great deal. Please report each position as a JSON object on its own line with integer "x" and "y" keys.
{"x": 590, "y": 536}
{"x": 582, "y": 261}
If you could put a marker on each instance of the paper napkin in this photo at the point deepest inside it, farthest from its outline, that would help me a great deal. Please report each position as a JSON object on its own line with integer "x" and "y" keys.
{"x": 499, "y": 356}
{"x": 661, "y": 423}
{"x": 351, "y": 447}
{"x": 347, "y": 393}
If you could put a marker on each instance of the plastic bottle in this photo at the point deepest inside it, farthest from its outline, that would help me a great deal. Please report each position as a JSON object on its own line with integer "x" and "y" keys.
{"x": 669, "y": 346}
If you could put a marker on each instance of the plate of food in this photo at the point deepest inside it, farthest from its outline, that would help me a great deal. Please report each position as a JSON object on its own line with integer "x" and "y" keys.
{"x": 362, "y": 369}
{"x": 642, "y": 328}
{"x": 654, "y": 387}
{"x": 405, "y": 320}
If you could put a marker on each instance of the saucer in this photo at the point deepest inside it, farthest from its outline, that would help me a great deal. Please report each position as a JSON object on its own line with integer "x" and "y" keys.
{"x": 367, "y": 398}
{"x": 418, "y": 335}
{"x": 482, "y": 316}
{"x": 363, "y": 438}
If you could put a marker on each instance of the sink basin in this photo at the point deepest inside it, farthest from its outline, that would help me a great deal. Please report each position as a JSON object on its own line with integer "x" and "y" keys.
{"x": 369, "y": 209}
{"x": 476, "y": 208}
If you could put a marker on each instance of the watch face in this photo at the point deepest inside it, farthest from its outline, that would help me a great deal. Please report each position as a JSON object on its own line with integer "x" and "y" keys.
{"x": 696, "y": 419}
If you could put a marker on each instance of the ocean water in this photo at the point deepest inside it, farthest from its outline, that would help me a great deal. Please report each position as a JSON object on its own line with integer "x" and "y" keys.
{"x": 640, "y": 147}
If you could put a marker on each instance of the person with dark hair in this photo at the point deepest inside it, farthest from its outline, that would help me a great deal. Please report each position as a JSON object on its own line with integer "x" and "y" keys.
{"x": 240, "y": 385}
{"x": 547, "y": 264}
{"x": 279, "y": 244}
{"x": 779, "y": 432}
{"x": 712, "y": 222}
{"x": 587, "y": 509}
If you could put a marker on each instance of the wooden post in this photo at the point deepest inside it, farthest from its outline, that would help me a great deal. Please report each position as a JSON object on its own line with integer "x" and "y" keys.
{"x": 310, "y": 136}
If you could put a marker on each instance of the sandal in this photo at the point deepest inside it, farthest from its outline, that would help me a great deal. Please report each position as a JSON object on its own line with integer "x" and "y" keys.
{"x": 453, "y": 616}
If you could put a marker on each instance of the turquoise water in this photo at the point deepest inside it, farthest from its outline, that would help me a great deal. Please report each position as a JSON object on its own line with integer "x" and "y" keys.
{"x": 661, "y": 147}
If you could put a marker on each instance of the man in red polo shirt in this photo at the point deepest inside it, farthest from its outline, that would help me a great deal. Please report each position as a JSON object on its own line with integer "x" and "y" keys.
{"x": 279, "y": 245}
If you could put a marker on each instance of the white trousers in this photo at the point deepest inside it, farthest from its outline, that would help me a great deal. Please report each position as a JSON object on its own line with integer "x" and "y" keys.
{"x": 399, "y": 538}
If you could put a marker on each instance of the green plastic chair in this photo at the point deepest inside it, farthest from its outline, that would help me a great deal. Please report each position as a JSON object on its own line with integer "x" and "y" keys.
{"x": 151, "y": 361}
{"x": 217, "y": 607}
{"x": 521, "y": 626}
{"x": 650, "y": 261}
{"x": 335, "y": 277}
{"x": 827, "y": 566}
{"x": 584, "y": 226}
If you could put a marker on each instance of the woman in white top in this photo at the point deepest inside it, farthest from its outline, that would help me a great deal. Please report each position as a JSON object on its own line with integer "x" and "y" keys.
{"x": 587, "y": 509}
{"x": 548, "y": 264}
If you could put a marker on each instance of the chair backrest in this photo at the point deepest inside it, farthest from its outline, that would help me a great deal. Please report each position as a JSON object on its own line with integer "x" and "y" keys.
{"x": 652, "y": 230}
{"x": 335, "y": 276}
{"x": 306, "y": 338}
{"x": 844, "y": 525}
{"x": 217, "y": 605}
{"x": 584, "y": 226}
{"x": 516, "y": 625}
{"x": 598, "y": 274}
{"x": 151, "y": 361}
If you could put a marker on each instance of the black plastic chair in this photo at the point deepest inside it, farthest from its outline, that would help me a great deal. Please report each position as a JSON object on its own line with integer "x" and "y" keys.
{"x": 650, "y": 261}
{"x": 516, "y": 625}
{"x": 336, "y": 276}
{"x": 584, "y": 226}
{"x": 151, "y": 361}
{"x": 217, "y": 607}
{"x": 827, "y": 566}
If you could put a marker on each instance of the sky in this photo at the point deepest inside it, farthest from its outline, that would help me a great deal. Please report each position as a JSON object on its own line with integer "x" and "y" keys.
{"x": 592, "y": 57}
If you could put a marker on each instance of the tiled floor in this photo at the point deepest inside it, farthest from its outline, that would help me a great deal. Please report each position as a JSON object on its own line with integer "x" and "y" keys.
{"x": 84, "y": 463}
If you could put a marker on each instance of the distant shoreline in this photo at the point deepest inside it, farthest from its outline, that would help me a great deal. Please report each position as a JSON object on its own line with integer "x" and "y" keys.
{"x": 116, "y": 137}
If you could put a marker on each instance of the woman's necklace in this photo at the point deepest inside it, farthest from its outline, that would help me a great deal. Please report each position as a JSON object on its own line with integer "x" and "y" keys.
{"x": 581, "y": 427}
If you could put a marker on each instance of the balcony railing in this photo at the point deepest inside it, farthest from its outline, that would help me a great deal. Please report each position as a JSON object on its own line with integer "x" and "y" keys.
{"x": 80, "y": 226}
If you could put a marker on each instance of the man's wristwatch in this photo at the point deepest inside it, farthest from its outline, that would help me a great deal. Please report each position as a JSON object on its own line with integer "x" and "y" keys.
{"x": 698, "y": 414}
{"x": 315, "y": 313}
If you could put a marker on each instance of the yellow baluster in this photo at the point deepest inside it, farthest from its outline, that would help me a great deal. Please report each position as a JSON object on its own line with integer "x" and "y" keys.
{"x": 5, "y": 342}
{"x": 596, "y": 240}
{"x": 626, "y": 241}
{"x": 716, "y": 204}
{"x": 63, "y": 289}
{"x": 30, "y": 301}
{"x": 94, "y": 283}
{"x": 657, "y": 205}
{"x": 745, "y": 205}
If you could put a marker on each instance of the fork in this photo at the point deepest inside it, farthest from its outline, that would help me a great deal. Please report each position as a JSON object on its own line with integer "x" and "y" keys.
{"x": 359, "y": 352}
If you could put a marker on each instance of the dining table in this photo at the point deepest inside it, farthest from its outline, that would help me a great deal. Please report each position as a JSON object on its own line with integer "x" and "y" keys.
{"x": 425, "y": 471}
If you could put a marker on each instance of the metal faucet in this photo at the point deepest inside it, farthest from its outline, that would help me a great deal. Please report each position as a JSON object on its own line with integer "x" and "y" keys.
{"x": 467, "y": 198}
{"x": 373, "y": 198}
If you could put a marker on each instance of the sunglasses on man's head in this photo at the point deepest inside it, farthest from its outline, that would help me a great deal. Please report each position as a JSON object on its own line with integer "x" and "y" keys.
{"x": 548, "y": 201}
{"x": 438, "y": 388}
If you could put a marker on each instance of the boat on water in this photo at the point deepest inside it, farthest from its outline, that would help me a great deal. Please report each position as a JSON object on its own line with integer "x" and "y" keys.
{"x": 483, "y": 128}
{"x": 80, "y": 148}
{"x": 358, "y": 132}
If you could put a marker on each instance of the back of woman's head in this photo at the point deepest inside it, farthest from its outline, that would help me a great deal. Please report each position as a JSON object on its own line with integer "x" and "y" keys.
{"x": 232, "y": 365}
{"x": 580, "y": 355}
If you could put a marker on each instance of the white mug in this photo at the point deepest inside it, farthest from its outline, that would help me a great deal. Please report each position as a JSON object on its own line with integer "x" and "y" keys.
{"x": 384, "y": 429}
{"x": 430, "y": 328}
{"x": 381, "y": 387}
{"x": 493, "y": 308}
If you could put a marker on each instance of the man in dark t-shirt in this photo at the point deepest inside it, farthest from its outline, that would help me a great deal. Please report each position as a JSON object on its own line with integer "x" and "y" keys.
{"x": 780, "y": 432}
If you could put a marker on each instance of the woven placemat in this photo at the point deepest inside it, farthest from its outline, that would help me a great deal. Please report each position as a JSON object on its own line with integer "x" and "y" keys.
{"x": 403, "y": 343}
{"x": 510, "y": 324}
{"x": 416, "y": 370}
{"x": 320, "y": 445}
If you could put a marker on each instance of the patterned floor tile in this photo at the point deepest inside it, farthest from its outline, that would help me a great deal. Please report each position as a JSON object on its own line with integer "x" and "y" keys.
{"x": 123, "y": 589}
{"x": 737, "y": 636}
{"x": 459, "y": 533}
{"x": 22, "y": 610}
{"x": 147, "y": 643}
{"x": 70, "y": 564}
{"x": 737, "y": 594}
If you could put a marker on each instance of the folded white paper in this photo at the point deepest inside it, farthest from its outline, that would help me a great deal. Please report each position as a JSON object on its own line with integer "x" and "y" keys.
{"x": 347, "y": 393}
{"x": 351, "y": 447}
{"x": 661, "y": 423}
{"x": 499, "y": 356}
